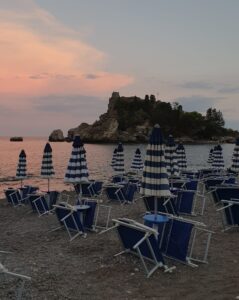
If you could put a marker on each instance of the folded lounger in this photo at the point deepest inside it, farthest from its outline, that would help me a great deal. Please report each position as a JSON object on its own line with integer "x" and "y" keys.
{"x": 121, "y": 193}
{"x": 15, "y": 197}
{"x": 70, "y": 219}
{"x": 140, "y": 240}
{"x": 178, "y": 237}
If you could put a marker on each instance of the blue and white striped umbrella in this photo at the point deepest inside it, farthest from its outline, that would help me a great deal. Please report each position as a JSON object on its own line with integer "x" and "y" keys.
{"x": 155, "y": 177}
{"x": 119, "y": 160}
{"x": 47, "y": 170}
{"x": 171, "y": 157}
{"x": 137, "y": 163}
{"x": 181, "y": 157}
{"x": 235, "y": 157}
{"x": 218, "y": 161}
{"x": 210, "y": 157}
{"x": 113, "y": 161}
{"x": 22, "y": 166}
{"x": 77, "y": 171}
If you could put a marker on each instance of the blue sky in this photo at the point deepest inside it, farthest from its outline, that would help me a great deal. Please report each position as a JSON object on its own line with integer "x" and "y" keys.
{"x": 184, "y": 51}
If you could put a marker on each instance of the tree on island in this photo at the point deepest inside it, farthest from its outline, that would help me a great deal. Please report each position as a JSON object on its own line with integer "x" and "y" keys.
{"x": 171, "y": 117}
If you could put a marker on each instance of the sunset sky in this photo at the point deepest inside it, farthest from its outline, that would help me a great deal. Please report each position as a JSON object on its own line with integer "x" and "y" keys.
{"x": 60, "y": 60}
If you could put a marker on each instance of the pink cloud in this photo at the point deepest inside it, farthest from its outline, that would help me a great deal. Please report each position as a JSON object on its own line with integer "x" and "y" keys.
{"x": 49, "y": 59}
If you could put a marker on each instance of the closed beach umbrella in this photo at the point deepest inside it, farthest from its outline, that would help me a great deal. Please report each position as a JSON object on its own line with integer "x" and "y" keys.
{"x": 181, "y": 157}
{"x": 171, "y": 157}
{"x": 137, "y": 163}
{"x": 22, "y": 166}
{"x": 77, "y": 171}
{"x": 210, "y": 157}
{"x": 218, "y": 161}
{"x": 47, "y": 170}
{"x": 119, "y": 160}
{"x": 113, "y": 158}
{"x": 235, "y": 157}
{"x": 155, "y": 177}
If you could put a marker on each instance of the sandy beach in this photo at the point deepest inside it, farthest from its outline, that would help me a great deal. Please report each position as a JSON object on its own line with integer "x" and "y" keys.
{"x": 87, "y": 269}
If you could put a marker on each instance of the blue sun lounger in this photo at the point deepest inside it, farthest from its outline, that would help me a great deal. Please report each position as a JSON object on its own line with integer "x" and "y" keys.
{"x": 140, "y": 240}
{"x": 70, "y": 219}
{"x": 14, "y": 197}
{"x": 185, "y": 202}
{"x": 166, "y": 205}
{"x": 228, "y": 197}
{"x": 39, "y": 204}
{"x": 23, "y": 278}
{"x": 178, "y": 237}
{"x": 121, "y": 193}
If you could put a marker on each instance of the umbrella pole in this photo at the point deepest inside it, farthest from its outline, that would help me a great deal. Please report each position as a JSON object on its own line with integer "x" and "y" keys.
{"x": 80, "y": 194}
{"x": 48, "y": 179}
{"x": 155, "y": 207}
{"x": 21, "y": 183}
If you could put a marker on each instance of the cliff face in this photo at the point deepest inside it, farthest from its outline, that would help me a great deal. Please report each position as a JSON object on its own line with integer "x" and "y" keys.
{"x": 106, "y": 129}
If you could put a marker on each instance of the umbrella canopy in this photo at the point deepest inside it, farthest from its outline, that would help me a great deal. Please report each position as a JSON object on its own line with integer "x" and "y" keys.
{"x": 235, "y": 157}
{"x": 77, "y": 167}
{"x": 218, "y": 161}
{"x": 47, "y": 170}
{"x": 113, "y": 161}
{"x": 171, "y": 157}
{"x": 155, "y": 177}
{"x": 119, "y": 160}
{"x": 137, "y": 163}
{"x": 210, "y": 157}
{"x": 22, "y": 166}
{"x": 181, "y": 157}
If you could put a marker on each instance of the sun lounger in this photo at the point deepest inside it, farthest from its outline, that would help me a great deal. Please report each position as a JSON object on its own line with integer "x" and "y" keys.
{"x": 140, "y": 240}
{"x": 91, "y": 216}
{"x": 165, "y": 205}
{"x": 69, "y": 217}
{"x": 4, "y": 271}
{"x": 178, "y": 238}
{"x": 14, "y": 197}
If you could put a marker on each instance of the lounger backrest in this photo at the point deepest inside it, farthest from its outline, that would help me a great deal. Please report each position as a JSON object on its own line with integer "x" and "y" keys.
{"x": 191, "y": 185}
{"x": 97, "y": 187}
{"x": 176, "y": 239}
{"x": 131, "y": 236}
{"x": 163, "y": 205}
{"x": 130, "y": 192}
{"x": 40, "y": 203}
{"x": 185, "y": 201}
{"x": 114, "y": 193}
{"x": 226, "y": 193}
{"x": 12, "y": 196}
{"x": 90, "y": 214}
{"x": 61, "y": 211}
{"x": 209, "y": 183}
{"x": 53, "y": 197}
{"x": 73, "y": 222}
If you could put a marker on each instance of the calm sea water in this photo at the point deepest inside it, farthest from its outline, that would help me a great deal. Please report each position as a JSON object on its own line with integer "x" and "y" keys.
{"x": 98, "y": 160}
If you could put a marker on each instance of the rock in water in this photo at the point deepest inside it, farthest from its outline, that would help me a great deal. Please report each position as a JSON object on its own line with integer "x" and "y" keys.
{"x": 56, "y": 136}
{"x": 16, "y": 139}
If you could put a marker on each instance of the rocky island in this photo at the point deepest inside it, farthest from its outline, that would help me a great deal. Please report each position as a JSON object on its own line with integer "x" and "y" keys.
{"x": 130, "y": 119}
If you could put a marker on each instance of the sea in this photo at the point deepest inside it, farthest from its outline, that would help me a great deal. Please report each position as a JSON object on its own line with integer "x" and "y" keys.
{"x": 99, "y": 157}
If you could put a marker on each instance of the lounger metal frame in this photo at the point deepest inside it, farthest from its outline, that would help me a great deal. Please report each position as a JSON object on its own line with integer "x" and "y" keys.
{"x": 148, "y": 232}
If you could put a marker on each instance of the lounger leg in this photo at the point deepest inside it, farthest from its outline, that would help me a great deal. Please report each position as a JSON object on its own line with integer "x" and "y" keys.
{"x": 20, "y": 290}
